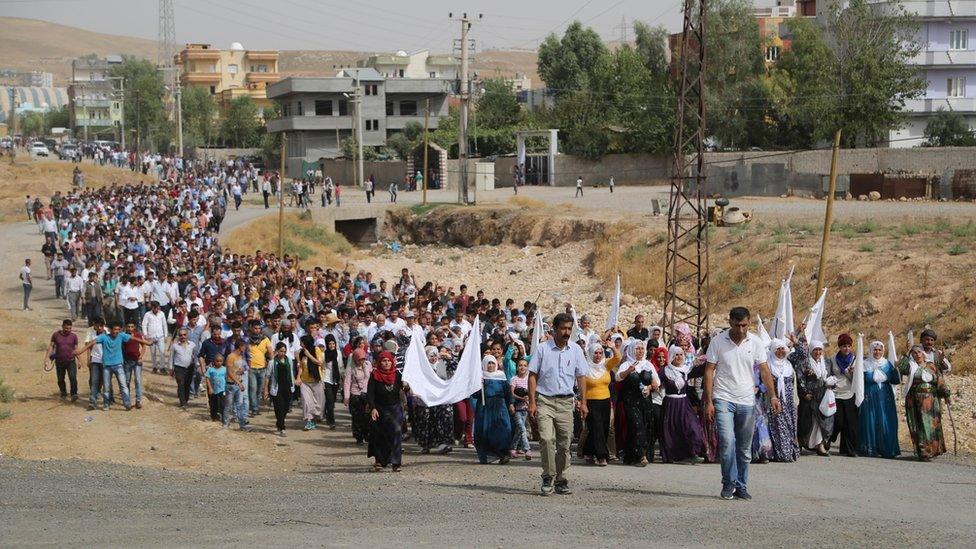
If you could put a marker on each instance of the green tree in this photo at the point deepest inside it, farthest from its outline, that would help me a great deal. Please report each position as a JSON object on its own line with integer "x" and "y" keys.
{"x": 241, "y": 126}
{"x": 413, "y": 131}
{"x": 144, "y": 99}
{"x": 497, "y": 107}
{"x": 446, "y": 134}
{"x": 32, "y": 123}
{"x": 349, "y": 150}
{"x": 56, "y": 118}
{"x": 582, "y": 120}
{"x": 637, "y": 100}
{"x": 271, "y": 142}
{"x": 399, "y": 145}
{"x": 568, "y": 63}
{"x": 948, "y": 129}
{"x": 652, "y": 44}
{"x": 199, "y": 112}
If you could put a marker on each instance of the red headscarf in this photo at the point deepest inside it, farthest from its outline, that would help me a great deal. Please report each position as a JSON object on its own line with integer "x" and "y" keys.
{"x": 388, "y": 376}
{"x": 655, "y": 354}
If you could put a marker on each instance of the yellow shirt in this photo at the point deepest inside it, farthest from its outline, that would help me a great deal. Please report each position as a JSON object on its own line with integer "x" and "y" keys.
{"x": 306, "y": 375}
{"x": 258, "y": 358}
{"x": 599, "y": 388}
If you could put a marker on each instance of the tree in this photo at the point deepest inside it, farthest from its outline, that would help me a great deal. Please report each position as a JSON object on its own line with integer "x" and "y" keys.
{"x": 144, "y": 98}
{"x": 271, "y": 142}
{"x": 199, "y": 111}
{"x": 240, "y": 126}
{"x": 400, "y": 145}
{"x": 948, "y": 129}
{"x": 32, "y": 123}
{"x": 652, "y": 46}
{"x": 349, "y": 150}
{"x": 56, "y": 118}
{"x": 497, "y": 108}
{"x": 567, "y": 64}
{"x": 413, "y": 131}
{"x": 873, "y": 46}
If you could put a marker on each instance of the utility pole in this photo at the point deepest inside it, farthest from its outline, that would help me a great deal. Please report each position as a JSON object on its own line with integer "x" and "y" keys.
{"x": 828, "y": 216}
{"x": 179, "y": 119}
{"x": 281, "y": 198}
{"x": 465, "y": 93}
{"x": 426, "y": 145}
{"x": 359, "y": 131}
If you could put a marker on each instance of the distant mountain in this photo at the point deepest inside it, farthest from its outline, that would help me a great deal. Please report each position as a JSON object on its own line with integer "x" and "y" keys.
{"x": 31, "y": 44}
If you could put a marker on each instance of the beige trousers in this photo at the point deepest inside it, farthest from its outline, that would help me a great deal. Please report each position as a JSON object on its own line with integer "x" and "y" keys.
{"x": 555, "y": 434}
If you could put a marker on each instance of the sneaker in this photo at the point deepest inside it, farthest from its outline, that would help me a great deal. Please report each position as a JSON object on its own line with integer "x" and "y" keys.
{"x": 104, "y": 407}
{"x": 547, "y": 486}
{"x": 281, "y": 433}
{"x": 138, "y": 405}
{"x": 447, "y": 450}
{"x": 727, "y": 492}
{"x": 128, "y": 407}
{"x": 642, "y": 462}
{"x": 742, "y": 493}
{"x": 528, "y": 456}
{"x": 308, "y": 426}
{"x": 503, "y": 460}
{"x": 74, "y": 398}
{"x": 91, "y": 406}
{"x": 562, "y": 487}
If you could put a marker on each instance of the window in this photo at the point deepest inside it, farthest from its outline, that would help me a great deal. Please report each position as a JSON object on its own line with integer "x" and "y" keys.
{"x": 373, "y": 125}
{"x": 286, "y": 109}
{"x": 772, "y": 53}
{"x": 323, "y": 107}
{"x": 232, "y": 68}
{"x": 389, "y": 108}
{"x": 408, "y": 108}
{"x": 433, "y": 74}
{"x": 956, "y": 87}
{"x": 959, "y": 39}
{"x": 371, "y": 89}
{"x": 400, "y": 73}
{"x": 343, "y": 107}
{"x": 213, "y": 90}
{"x": 369, "y": 125}
{"x": 301, "y": 110}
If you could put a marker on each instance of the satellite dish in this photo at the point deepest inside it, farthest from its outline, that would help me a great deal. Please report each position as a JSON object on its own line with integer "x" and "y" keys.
{"x": 401, "y": 53}
{"x": 237, "y": 46}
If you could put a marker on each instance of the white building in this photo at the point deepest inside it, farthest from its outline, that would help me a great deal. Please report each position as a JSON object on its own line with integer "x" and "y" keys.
{"x": 419, "y": 64}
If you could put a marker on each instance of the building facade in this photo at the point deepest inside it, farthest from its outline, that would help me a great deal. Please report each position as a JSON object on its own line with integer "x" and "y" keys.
{"x": 318, "y": 112}
{"x": 419, "y": 64}
{"x": 228, "y": 74}
{"x": 38, "y": 79}
{"x": 94, "y": 102}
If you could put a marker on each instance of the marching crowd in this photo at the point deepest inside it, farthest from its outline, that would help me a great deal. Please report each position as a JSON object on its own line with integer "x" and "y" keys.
{"x": 254, "y": 333}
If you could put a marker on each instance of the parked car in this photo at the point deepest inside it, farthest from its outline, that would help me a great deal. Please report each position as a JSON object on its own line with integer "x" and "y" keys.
{"x": 38, "y": 148}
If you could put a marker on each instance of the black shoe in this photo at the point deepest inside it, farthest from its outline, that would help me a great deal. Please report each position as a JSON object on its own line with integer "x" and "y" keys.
{"x": 727, "y": 492}
{"x": 742, "y": 493}
{"x": 562, "y": 487}
{"x": 547, "y": 486}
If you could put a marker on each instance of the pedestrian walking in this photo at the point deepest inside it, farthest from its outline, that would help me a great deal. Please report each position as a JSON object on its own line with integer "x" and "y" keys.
{"x": 555, "y": 368}
{"x": 393, "y": 191}
{"x": 369, "y": 186}
{"x": 27, "y": 282}
{"x": 579, "y": 186}
{"x": 61, "y": 350}
{"x": 610, "y": 184}
{"x": 729, "y": 398}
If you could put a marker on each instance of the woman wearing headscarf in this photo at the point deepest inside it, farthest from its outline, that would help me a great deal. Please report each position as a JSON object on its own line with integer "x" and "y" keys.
{"x": 310, "y": 376}
{"x": 598, "y": 402}
{"x": 659, "y": 358}
{"x": 877, "y": 415}
{"x": 354, "y": 388}
{"x": 923, "y": 409}
{"x": 492, "y": 417}
{"x": 812, "y": 381}
{"x": 762, "y": 445}
{"x": 845, "y": 420}
{"x": 434, "y": 425}
{"x": 637, "y": 379}
{"x": 386, "y": 412}
{"x": 684, "y": 338}
{"x": 330, "y": 378}
{"x": 681, "y": 432}
{"x": 782, "y": 426}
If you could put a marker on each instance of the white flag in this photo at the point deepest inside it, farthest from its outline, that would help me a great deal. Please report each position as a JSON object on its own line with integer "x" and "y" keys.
{"x": 814, "y": 330}
{"x": 763, "y": 334}
{"x": 434, "y": 391}
{"x": 614, "y": 307}
{"x": 892, "y": 352}
{"x": 857, "y": 380}
{"x": 536, "y": 331}
{"x": 782, "y": 323}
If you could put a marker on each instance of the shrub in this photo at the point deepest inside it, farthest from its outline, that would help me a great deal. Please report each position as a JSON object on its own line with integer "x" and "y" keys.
{"x": 957, "y": 249}
{"x": 866, "y": 247}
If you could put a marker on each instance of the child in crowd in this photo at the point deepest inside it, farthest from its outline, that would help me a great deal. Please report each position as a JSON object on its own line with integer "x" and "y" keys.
{"x": 216, "y": 378}
{"x": 520, "y": 390}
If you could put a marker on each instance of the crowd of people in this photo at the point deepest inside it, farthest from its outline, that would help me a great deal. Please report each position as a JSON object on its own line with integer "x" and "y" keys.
{"x": 141, "y": 265}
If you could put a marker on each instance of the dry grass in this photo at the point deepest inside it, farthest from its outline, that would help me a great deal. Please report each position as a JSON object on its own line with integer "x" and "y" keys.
{"x": 525, "y": 202}
{"x": 311, "y": 243}
{"x": 43, "y": 178}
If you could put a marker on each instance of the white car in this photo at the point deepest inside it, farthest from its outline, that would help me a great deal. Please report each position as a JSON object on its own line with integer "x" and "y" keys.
{"x": 39, "y": 149}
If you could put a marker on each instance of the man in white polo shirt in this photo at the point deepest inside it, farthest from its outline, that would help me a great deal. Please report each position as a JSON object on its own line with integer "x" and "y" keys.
{"x": 730, "y": 399}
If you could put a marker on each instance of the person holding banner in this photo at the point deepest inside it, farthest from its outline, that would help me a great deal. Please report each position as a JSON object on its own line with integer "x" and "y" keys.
{"x": 493, "y": 412}
{"x": 782, "y": 426}
{"x": 924, "y": 389}
{"x": 878, "y": 418}
{"x": 845, "y": 420}
{"x": 815, "y": 418}
{"x": 556, "y": 366}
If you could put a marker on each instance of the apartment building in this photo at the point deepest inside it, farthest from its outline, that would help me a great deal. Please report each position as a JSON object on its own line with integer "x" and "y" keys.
{"x": 94, "y": 104}
{"x": 419, "y": 64}
{"x": 229, "y": 74}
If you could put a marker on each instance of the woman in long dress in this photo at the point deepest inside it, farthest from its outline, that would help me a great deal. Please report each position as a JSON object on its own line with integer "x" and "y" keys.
{"x": 598, "y": 402}
{"x": 923, "y": 409}
{"x": 762, "y": 444}
{"x": 637, "y": 378}
{"x": 493, "y": 412}
{"x": 782, "y": 426}
{"x": 681, "y": 432}
{"x": 434, "y": 425}
{"x": 383, "y": 398}
{"x": 812, "y": 381}
{"x": 877, "y": 415}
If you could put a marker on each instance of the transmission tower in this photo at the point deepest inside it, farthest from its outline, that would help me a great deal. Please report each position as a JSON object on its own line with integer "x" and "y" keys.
{"x": 167, "y": 42}
{"x": 686, "y": 264}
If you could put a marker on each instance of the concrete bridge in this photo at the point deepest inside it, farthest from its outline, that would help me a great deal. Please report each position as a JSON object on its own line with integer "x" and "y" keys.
{"x": 360, "y": 223}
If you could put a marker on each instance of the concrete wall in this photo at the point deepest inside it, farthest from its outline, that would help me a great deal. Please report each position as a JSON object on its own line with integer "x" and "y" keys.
{"x": 923, "y": 161}
{"x": 626, "y": 169}
{"x": 384, "y": 172}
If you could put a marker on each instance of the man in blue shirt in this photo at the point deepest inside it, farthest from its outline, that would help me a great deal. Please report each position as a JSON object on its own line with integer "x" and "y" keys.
{"x": 112, "y": 360}
{"x": 555, "y": 368}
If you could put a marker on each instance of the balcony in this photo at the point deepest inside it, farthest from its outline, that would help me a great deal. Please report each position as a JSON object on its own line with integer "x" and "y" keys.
{"x": 266, "y": 77}
{"x": 200, "y": 78}
{"x": 82, "y": 103}
{"x": 966, "y": 105}
{"x": 952, "y": 58}
{"x": 418, "y": 85}
{"x": 292, "y": 123}
{"x": 200, "y": 54}
{"x": 262, "y": 55}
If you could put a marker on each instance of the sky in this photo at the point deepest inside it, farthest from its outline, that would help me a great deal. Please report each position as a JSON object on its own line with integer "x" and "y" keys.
{"x": 372, "y": 26}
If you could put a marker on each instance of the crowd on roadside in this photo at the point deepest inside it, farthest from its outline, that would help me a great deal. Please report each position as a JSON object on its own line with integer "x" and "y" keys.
{"x": 255, "y": 332}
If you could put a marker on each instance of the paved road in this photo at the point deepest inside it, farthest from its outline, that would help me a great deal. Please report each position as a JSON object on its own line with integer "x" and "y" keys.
{"x": 451, "y": 501}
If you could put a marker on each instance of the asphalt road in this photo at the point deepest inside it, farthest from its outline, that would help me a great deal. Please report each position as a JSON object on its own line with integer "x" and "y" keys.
{"x": 451, "y": 501}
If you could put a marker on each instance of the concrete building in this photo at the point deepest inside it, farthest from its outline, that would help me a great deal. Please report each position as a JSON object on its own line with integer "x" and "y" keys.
{"x": 317, "y": 112}
{"x": 95, "y": 109}
{"x": 947, "y": 32}
{"x": 774, "y": 29}
{"x": 419, "y": 64}
{"x": 229, "y": 74}
{"x": 38, "y": 79}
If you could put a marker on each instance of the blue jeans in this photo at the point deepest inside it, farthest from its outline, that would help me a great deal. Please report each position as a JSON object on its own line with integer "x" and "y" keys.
{"x": 119, "y": 373}
{"x": 255, "y": 382}
{"x": 234, "y": 398}
{"x": 735, "y": 424}
{"x": 95, "y": 383}
{"x": 133, "y": 371}
{"x": 520, "y": 435}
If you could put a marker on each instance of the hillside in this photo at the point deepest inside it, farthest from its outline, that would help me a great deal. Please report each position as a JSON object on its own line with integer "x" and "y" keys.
{"x": 31, "y": 44}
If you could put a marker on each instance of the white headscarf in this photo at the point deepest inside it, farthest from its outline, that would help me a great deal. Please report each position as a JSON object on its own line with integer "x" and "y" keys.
{"x": 779, "y": 367}
{"x": 912, "y": 368}
{"x": 497, "y": 374}
{"x": 630, "y": 358}
{"x": 677, "y": 374}
{"x": 597, "y": 369}
{"x": 819, "y": 367}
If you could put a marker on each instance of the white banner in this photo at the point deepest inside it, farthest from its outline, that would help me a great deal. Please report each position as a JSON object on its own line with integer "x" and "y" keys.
{"x": 614, "y": 307}
{"x": 434, "y": 391}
